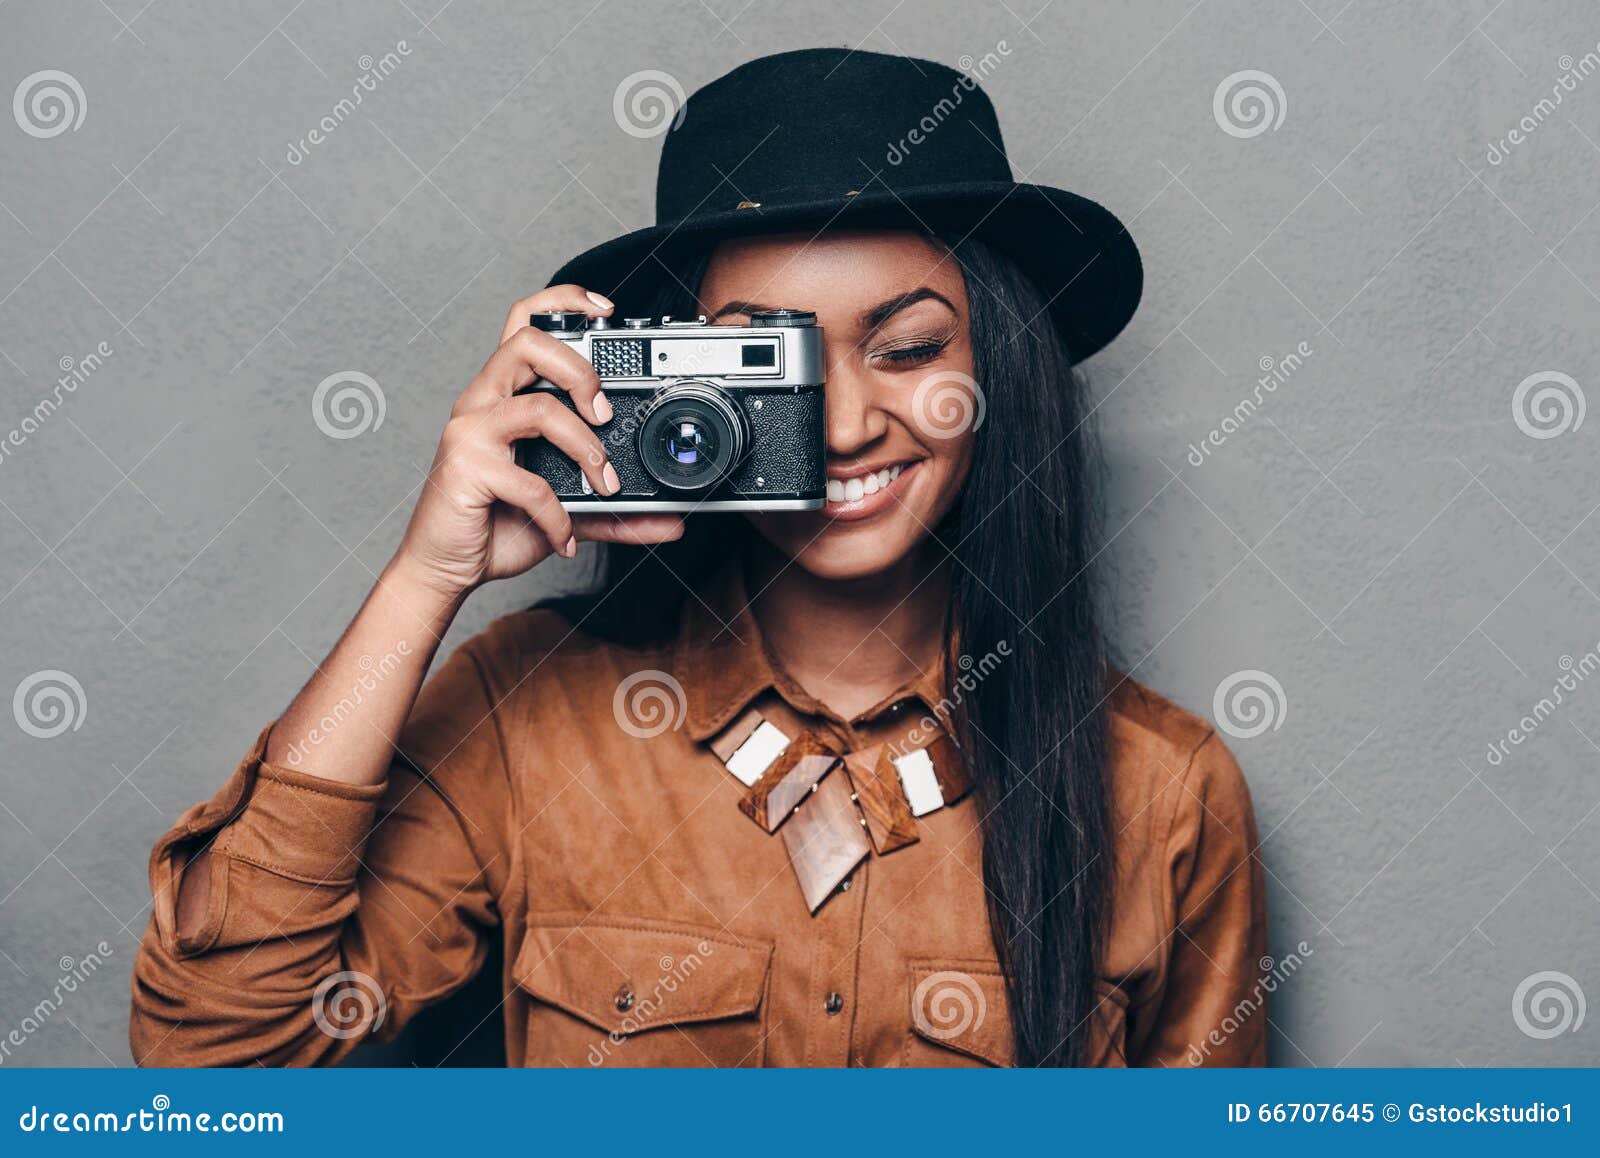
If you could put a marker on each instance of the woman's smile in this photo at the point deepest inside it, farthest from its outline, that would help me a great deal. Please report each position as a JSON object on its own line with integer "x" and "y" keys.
{"x": 856, "y": 493}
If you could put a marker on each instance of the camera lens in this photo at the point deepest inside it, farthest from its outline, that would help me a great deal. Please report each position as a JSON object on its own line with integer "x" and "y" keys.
{"x": 688, "y": 444}
{"x": 692, "y": 436}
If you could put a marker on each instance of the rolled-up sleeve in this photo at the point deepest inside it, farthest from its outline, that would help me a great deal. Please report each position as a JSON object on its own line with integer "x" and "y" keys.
{"x": 1213, "y": 1009}
{"x": 331, "y": 911}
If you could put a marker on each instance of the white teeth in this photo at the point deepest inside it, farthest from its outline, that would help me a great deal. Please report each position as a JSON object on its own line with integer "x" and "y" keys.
{"x": 852, "y": 490}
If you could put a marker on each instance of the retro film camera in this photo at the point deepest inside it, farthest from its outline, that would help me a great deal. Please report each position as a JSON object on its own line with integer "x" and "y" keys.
{"x": 707, "y": 418}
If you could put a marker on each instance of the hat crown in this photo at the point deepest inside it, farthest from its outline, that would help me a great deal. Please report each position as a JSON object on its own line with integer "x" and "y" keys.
{"x": 823, "y": 123}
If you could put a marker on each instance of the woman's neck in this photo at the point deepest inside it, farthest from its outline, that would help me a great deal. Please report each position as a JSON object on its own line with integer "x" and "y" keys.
{"x": 849, "y": 644}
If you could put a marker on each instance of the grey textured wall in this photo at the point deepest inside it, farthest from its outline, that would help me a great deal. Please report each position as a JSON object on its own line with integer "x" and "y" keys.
{"x": 1401, "y": 534}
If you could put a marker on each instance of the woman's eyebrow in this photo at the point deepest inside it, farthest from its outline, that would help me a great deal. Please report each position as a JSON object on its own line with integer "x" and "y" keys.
{"x": 875, "y": 316}
{"x": 871, "y": 318}
{"x": 740, "y": 307}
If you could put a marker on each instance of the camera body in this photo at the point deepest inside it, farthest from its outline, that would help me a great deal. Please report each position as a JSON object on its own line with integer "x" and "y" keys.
{"x": 707, "y": 418}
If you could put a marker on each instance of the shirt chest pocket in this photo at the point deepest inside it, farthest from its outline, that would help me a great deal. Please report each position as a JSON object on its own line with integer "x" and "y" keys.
{"x": 611, "y": 991}
{"x": 960, "y": 1017}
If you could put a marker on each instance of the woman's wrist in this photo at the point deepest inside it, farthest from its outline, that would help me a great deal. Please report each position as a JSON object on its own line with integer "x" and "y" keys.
{"x": 426, "y": 597}
{"x": 378, "y": 665}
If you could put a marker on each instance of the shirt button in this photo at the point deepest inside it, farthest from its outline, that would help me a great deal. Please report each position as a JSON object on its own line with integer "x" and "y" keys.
{"x": 833, "y": 1004}
{"x": 624, "y": 998}
{"x": 844, "y": 885}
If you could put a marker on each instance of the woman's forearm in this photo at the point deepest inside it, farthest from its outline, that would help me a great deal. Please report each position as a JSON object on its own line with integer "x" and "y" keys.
{"x": 344, "y": 723}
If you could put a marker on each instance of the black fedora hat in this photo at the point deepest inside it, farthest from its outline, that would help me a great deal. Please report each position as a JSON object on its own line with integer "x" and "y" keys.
{"x": 827, "y": 137}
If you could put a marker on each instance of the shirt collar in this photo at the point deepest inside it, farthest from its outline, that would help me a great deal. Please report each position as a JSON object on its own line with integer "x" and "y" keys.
{"x": 723, "y": 662}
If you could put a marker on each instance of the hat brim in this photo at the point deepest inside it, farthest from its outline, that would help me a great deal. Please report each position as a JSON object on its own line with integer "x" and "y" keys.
{"x": 1076, "y": 251}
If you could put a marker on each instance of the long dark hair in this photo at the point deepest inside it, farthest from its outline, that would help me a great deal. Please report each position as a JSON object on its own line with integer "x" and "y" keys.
{"x": 1020, "y": 543}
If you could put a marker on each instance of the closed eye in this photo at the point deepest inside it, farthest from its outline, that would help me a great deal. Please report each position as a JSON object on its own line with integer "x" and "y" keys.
{"x": 912, "y": 354}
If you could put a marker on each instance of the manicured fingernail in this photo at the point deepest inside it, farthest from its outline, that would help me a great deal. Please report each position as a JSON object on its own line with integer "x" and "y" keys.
{"x": 603, "y": 303}
{"x": 571, "y": 549}
{"x": 613, "y": 483}
{"x": 602, "y": 408}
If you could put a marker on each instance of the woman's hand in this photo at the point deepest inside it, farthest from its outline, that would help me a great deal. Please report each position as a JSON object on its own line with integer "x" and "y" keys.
{"x": 480, "y": 515}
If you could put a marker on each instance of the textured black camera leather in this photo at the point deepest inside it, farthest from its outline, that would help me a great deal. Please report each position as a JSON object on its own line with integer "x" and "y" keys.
{"x": 786, "y": 450}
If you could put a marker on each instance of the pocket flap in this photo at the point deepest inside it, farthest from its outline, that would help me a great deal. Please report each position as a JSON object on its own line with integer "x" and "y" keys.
{"x": 962, "y": 1006}
{"x": 625, "y": 975}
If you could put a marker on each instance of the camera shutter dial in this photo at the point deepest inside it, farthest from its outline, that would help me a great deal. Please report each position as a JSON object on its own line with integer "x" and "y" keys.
{"x": 560, "y": 322}
{"x": 783, "y": 318}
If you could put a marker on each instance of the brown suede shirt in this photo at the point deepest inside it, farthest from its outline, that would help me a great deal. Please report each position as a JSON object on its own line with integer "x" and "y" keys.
{"x": 647, "y": 920}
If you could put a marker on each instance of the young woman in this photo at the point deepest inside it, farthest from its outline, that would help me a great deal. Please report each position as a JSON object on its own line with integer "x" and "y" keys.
{"x": 1019, "y": 856}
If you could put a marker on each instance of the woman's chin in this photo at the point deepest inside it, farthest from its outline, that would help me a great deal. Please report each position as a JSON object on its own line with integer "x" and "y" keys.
{"x": 841, "y": 551}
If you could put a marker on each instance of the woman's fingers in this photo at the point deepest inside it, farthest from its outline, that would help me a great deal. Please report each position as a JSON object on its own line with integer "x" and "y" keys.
{"x": 532, "y": 495}
{"x": 527, "y": 356}
{"x": 636, "y": 529}
{"x": 543, "y": 416}
{"x": 572, "y": 299}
